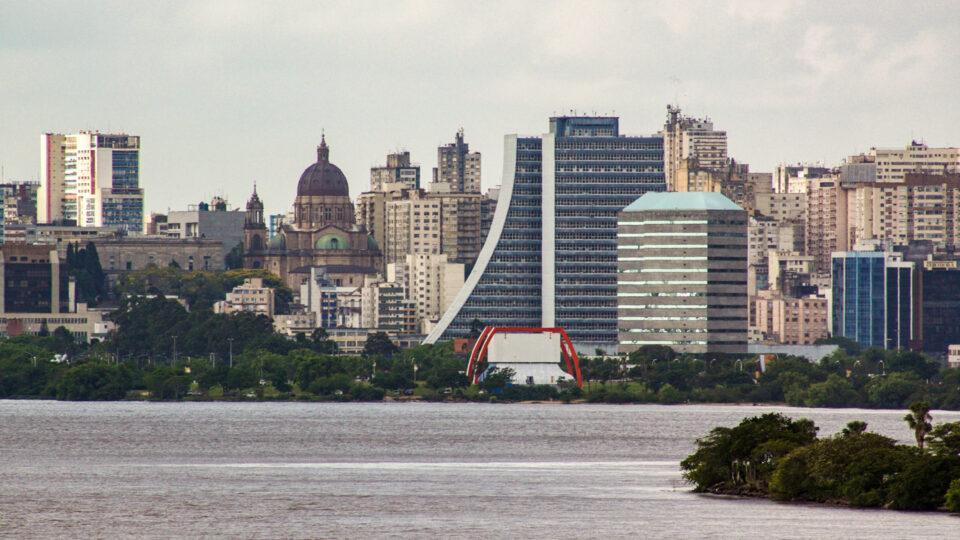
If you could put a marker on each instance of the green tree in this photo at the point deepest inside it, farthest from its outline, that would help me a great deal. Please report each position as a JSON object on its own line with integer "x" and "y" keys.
{"x": 743, "y": 457}
{"x": 952, "y": 497}
{"x": 919, "y": 421}
{"x": 322, "y": 343}
{"x": 854, "y": 428}
{"x": 234, "y": 258}
{"x": 945, "y": 439}
{"x": 379, "y": 343}
{"x": 95, "y": 382}
{"x": 923, "y": 484}
{"x": 834, "y": 392}
{"x": 669, "y": 395}
{"x": 497, "y": 378}
{"x": 476, "y": 328}
{"x": 167, "y": 383}
{"x": 892, "y": 390}
{"x": 847, "y": 345}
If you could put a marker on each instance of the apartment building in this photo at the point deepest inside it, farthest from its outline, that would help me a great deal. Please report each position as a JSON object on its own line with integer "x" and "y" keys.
{"x": 251, "y": 297}
{"x": 91, "y": 179}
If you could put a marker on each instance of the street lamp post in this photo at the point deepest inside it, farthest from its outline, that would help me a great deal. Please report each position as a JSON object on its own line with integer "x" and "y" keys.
{"x": 230, "y": 340}
{"x": 174, "y": 350}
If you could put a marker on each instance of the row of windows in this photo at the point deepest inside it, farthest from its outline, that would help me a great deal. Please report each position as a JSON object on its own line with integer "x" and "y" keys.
{"x": 707, "y": 234}
{"x": 681, "y": 293}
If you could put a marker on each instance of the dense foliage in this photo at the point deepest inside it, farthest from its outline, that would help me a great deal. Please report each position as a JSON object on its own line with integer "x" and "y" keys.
{"x": 199, "y": 289}
{"x": 83, "y": 264}
{"x": 874, "y": 378}
{"x": 775, "y": 456}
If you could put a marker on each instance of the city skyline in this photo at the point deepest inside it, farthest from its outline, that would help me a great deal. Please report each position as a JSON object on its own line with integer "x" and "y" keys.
{"x": 225, "y": 94}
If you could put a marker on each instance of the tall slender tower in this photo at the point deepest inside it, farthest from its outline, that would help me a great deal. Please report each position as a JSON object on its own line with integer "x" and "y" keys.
{"x": 458, "y": 169}
{"x": 254, "y": 232}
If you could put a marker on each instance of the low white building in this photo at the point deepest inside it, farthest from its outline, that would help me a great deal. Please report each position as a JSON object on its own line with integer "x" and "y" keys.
{"x": 295, "y": 323}
{"x": 953, "y": 356}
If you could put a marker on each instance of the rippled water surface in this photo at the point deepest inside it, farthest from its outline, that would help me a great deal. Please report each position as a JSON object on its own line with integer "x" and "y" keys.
{"x": 307, "y": 470}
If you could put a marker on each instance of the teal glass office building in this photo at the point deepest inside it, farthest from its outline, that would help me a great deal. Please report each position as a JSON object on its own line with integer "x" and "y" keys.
{"x": 875, "y": 299}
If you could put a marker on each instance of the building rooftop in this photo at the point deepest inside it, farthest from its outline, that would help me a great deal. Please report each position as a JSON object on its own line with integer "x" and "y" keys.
{"x": 682, "y": 201}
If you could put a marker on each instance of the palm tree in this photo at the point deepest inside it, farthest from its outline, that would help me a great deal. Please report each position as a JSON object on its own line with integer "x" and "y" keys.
{"x": 854, "y": 428}
{"x": 919, "y": 421}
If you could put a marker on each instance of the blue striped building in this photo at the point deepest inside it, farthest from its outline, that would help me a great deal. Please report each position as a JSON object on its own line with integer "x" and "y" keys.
{"x": 550, "y": 258}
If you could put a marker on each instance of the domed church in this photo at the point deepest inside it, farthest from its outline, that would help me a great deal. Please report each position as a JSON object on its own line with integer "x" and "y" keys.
{"x": 323, "y": 233}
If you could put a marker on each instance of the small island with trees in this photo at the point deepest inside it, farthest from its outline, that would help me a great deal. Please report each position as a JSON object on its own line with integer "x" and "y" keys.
{"x": 783, "y": 459}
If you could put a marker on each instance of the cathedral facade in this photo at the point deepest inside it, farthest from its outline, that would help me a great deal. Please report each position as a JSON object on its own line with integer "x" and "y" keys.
{"x": 323, "y": 232}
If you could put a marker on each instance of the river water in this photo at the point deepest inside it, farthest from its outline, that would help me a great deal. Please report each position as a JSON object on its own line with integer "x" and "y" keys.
{"x": 380, "y": 470}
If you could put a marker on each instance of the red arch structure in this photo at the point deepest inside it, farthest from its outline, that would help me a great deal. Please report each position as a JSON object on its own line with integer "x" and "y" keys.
{"x": 480, "y": 349}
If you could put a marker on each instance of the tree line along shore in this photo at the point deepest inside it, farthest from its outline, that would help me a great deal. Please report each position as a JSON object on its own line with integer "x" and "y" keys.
{"x": 239, "y": 356}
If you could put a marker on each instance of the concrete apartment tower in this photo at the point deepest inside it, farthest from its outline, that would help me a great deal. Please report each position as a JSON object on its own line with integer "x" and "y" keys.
{"x": 690, "y": 143}
{"x": 458, "y": 169}
{"x": 92, "y": 179}
{"x": 682, "y": 274}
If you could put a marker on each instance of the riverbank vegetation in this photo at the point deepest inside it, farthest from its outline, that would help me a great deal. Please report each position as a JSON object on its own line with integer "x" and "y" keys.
{"x": 162, "y": 350}
{"x": 784, "y": 459}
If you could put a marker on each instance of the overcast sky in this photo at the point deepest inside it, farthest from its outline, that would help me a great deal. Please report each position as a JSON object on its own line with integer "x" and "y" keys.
{"x": 228, "y": 93}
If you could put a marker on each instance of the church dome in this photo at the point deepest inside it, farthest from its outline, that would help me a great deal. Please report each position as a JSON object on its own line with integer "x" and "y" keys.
{"x": 332, "y": 241}
{"x": 323, "y": 179}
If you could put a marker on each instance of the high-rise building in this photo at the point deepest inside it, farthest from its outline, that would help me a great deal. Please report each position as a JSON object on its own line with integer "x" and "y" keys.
{"x": 686, "y": 138}
{"x": 320, "y": 296}
{"x": 385, "y": 306}
{"x": 682, "y": 274}
{"x": 32, "y": 281}
{"x": 795, "y": 321}
{"x": 550, "y": 258}
{"x": 92, "y": 179}
{"x": 876, "y": 299}
{"x": 398, "y": 173}
{"x": 826, "y": 220}
{"x": 413, "y": 227}
{"x": 892, "y": 164}
{"x": 765, "y": 235}
{"x": 941, "y": 305}
{"x": 919, "y": 207}
{"x": 795, "y": 178}
{"x": 458, "y": 169}
{"x": 19, "y": 202}
{"x": 431, "y": 282}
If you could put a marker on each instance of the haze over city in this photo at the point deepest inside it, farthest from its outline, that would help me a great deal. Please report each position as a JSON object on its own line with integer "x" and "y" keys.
{"x": 225, "y": 94}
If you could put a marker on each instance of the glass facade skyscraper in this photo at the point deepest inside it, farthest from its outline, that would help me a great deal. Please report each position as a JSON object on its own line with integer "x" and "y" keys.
{"x": 875, "y": 299}
{"x": 550, "y": 258}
